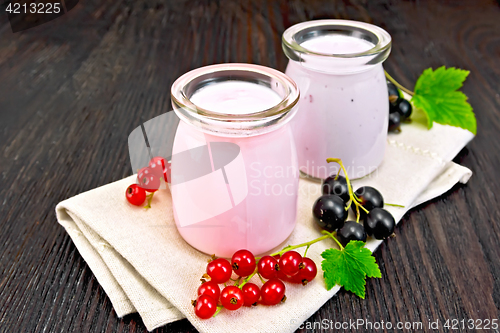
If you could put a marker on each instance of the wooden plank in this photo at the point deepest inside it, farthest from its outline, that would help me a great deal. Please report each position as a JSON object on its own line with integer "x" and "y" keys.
{"x": 74, "y": 88}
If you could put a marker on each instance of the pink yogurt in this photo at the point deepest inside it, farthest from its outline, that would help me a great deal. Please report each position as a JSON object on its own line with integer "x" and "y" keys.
{"x": 343, "y": 111}
{"x": 245, "y": 193}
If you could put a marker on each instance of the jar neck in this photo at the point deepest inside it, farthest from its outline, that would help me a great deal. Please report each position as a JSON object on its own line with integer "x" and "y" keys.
{"x": 232, "y": 129}
{"x": 365, "y": 72}
{"x": 349, "y": 46}
{"x": 251, "y": 123}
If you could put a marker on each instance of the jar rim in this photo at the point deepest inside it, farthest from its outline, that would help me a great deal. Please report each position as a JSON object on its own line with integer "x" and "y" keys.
{"x": 182, "y": 101}
{"x": 362, "y": 30}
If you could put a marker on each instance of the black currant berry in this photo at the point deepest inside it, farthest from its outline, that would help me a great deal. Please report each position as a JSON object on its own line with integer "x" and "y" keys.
{"x": 394, "y": 122}
{"x": 379, "y": 223}
{"x": 351, "y": 231}
{"x": 404, "y": 109}
{"x": 329, "y": 212}
{"x": 370, "y": 198}
{"x": 337, "y": 187}
{"x": 393, "y": 91}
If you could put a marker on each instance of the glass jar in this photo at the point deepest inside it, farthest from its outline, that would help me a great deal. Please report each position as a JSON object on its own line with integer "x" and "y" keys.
{"x": 344, "y": 106}
{"x": 234, "y": 170}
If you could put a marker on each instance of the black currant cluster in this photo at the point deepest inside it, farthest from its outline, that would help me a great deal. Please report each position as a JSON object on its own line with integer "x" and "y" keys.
{"x": 399, "y": 108}
{"x": 331, "y": 209}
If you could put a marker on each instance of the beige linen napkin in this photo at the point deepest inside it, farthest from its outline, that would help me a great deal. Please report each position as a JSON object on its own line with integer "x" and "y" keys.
{"x": 144, "y": 265}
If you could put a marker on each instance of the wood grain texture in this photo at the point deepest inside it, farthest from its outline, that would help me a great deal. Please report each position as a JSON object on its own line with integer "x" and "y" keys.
{"x": 73, "y": 89}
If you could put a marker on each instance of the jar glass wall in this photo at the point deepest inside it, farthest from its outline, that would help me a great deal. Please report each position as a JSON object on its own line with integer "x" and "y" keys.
{"x": 343, "y": 110}
{"x": 234, "y": 166}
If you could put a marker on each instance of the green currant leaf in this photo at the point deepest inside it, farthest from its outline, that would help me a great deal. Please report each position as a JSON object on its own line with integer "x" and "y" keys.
{"x": 349, "y": 267}
{"x": 437, "y": 96}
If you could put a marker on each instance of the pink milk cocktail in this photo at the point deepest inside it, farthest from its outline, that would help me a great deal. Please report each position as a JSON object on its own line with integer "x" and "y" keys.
{"x": 234, "y": 166}
{"x": 343, "y": 109}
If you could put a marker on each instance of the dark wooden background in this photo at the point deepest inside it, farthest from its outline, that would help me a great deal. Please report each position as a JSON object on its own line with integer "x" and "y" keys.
{"x": 72, "y": 90}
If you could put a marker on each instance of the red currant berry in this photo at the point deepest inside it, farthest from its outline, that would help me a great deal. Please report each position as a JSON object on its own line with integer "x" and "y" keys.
{"x": 211, "y": 289}
{"x": 158, "y": 166}
{"x": 268, "y": 267}
{"x": 283, "y": 277}
{"x": 251, "y": 294}
{"x": 307, "y": 273}
{"x": 295, "y": 279}
{"x": 205, "y": 307}
{"x": 290, "y": 263}
{"x": 148, "y": 180}
{"x": 219, "y": 270}
{"x": 231, "y": 298}
{"x": 135, "y": 195}
{"x": 273, "y": 292}
{"x": 243, "y": 263}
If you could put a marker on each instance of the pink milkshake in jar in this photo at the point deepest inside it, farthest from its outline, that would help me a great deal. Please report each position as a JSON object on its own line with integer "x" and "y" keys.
{"x": 343, "y": 109}
{"x": 234, "y": 169}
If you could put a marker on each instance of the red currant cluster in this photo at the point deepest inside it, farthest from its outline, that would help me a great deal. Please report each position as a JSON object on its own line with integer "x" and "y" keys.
{"x": 149, "y": 180}
{"x": 289, "y": 267}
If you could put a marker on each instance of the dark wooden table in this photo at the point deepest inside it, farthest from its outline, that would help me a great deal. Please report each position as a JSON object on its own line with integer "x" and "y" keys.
{"x": 71, "y": 91}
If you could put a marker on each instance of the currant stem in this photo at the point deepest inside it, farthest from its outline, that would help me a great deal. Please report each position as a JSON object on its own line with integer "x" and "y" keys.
{"x": 349, "y": 187}
{"x": 331, "y": 234}
{"x": 307, "y": 248}
{"x": 219, "y": 307}
{"x": 293, "y": 247}
{"x": 359, "y": 204}
{"x": 150, "y": 198}
{"x": 326, "y": 235}
{"x": 248, "y": 278}
{"x": 394, "y": 205}
{"x": 396, "y": 83}
{"x": 338, "y": 174}
{"x": 353, "y": 198}
{"x": 290, "y": 247}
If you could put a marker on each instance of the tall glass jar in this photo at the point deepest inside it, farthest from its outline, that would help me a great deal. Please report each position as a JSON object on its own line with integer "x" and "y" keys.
{"x": 234, "y": 170}
{"x": 343, "y": 110}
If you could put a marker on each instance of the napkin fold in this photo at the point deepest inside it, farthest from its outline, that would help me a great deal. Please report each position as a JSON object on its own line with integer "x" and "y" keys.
{"x": 145, "y": 266}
